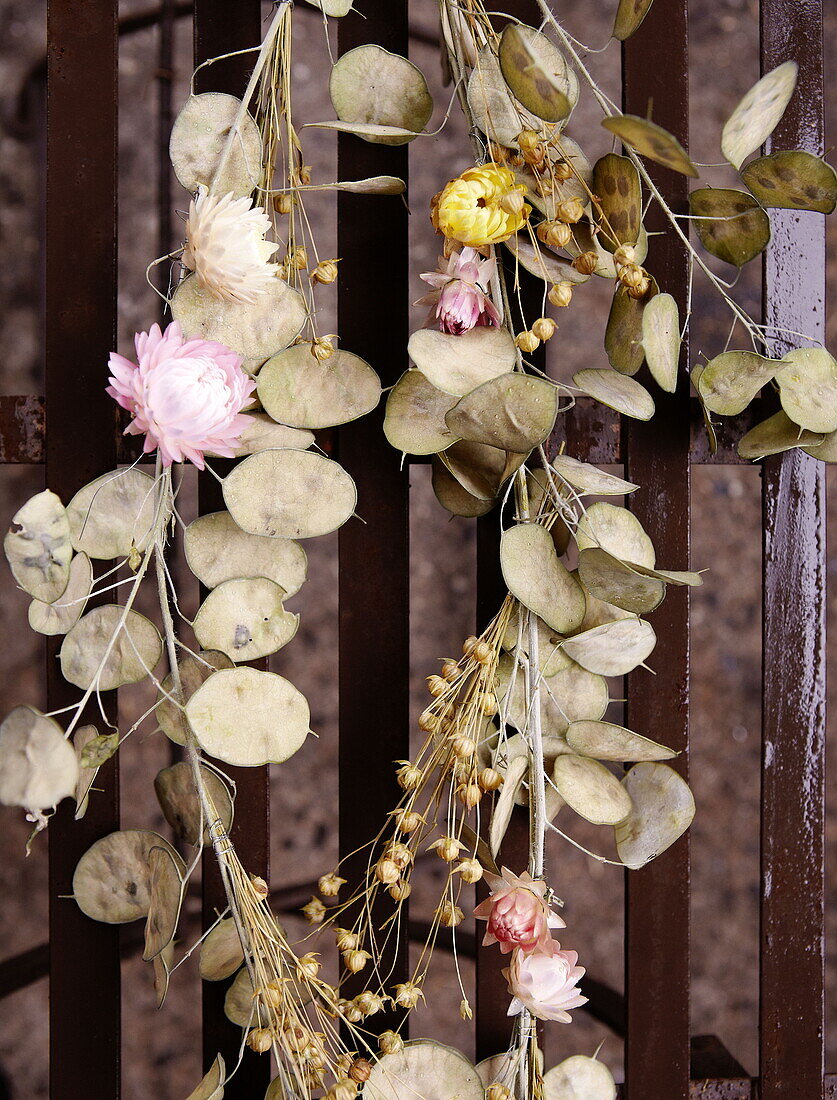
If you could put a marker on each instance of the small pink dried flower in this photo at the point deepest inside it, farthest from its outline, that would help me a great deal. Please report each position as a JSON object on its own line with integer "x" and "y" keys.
{"x": 185, "y": 395}
{"x": 545, "y": 984}
{"x": 517, "y": 913}
{"x": 461, "y": 294}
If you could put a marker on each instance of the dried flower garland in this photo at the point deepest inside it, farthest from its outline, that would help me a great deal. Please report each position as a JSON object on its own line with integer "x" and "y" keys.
{"x": 243, "y": 372}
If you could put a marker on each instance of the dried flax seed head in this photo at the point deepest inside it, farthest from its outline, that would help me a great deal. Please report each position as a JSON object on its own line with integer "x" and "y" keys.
{"x": 399, "y": 891}
{"x": 527, "y": 341}
{"x": 561, "y": 294}
{"x": 570, "y": 211}
{"x": 450, "y": 669}
{"x": 450, "y": 915}
{"x": 544, "y": 328}
{"x": 260, "y": 1039}
{"x": 447, "y": 848}
{"x": 356, "y": 960}
{"x": 329, "y": 885}
{"x": 325, "y": 272}
{"x": 407, "y": 995}
{"x": 470, "y": 870}
{"x": 436, "y": 685}
{"x": 469, "y": 794}
{"x": 390, "y": 1042}
{"x": 586, "y": 263}
{"x": 346, "y": 940}
{"x": 555, "y": 234}
{"x": 314, "y": 911}
{"x": 361, "y": 1069}
{"x": 490, "y": 779}
{"x": 409, "y": 776}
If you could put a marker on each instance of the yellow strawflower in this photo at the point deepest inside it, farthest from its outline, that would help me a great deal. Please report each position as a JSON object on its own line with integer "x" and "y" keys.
{"x": 482, "y": 206}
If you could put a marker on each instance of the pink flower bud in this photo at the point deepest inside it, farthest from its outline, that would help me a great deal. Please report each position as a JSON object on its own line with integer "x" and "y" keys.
{"x": 517, "y": 914}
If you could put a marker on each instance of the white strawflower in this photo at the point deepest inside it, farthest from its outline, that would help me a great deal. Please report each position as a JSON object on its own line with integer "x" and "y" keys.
{"x": 225, "y": 246}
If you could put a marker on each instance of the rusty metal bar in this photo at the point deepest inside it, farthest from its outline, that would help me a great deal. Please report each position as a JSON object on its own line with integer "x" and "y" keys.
{"x": 793, "y": 677}
{"x": 656, "y": 70}
{"x": 591, "y": 431}
{"x": 80, "y": 332}
{"x": 374, "y": 579}
{"x": 221, "y": 27}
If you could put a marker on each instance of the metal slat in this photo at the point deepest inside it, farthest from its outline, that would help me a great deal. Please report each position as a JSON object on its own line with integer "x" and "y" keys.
{"x": 80, "y": 333}
{"x": 591, "y": 432}
{"x": 221, "y": 27}
{"x": 793, "y": 677}
{"x": 656, "y": 70}
{"x": 374, "y": 576}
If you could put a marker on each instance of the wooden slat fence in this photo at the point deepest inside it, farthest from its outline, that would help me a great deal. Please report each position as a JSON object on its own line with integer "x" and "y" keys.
{"x": 83, "y": 958}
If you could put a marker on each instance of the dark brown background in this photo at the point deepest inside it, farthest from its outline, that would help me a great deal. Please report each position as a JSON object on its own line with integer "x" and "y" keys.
{"x": 162, "y": 1052}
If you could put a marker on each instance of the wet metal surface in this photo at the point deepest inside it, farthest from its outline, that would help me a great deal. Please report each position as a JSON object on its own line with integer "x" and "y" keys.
{"x": 793, "y": 681}
{"x": 656, "y": 69}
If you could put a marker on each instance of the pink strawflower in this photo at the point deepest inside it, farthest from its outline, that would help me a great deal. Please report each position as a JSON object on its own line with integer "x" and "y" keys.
{"x": 461, "y": 294}
{"x": 517, "y": 913}
{"x": 545, "y": 984}
{"x": 185, "y": 395}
